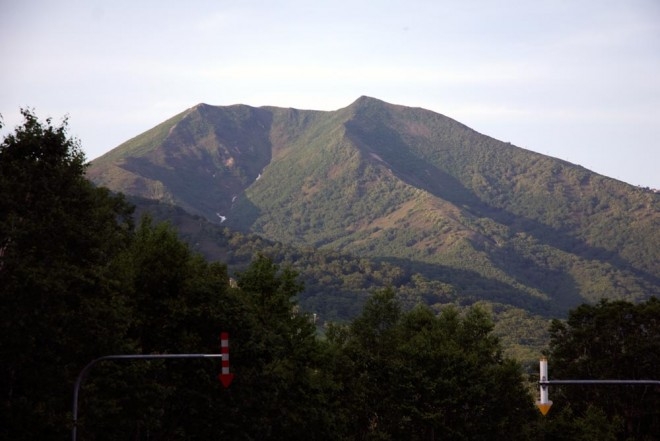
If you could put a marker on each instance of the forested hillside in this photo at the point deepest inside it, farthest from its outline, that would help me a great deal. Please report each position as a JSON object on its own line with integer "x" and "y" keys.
{"x": 336, "y": 285}
{"x": 80, "y": 279}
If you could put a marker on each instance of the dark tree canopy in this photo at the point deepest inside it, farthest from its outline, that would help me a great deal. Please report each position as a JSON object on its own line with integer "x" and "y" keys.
{"x": 420, "y": 376}
{"x": 57, "y": 235}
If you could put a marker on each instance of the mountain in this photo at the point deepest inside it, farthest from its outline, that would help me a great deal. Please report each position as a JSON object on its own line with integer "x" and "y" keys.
{"x": 407, "y": 187}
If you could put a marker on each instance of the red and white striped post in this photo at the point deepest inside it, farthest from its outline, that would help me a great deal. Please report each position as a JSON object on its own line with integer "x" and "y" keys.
{"x": 225, "y": 377}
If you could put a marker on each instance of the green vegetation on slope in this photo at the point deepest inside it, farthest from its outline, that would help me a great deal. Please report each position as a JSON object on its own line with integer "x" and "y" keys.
{"x": 417, "y": 190}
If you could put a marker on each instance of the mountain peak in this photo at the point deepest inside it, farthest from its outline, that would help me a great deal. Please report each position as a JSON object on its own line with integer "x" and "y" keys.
{"x": 367, "y": 101}
{"x": 366, "y": 98}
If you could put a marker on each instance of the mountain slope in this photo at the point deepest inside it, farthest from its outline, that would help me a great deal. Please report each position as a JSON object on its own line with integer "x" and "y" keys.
{"x": 406, "y": 185}
{"x": 197, "y": 160}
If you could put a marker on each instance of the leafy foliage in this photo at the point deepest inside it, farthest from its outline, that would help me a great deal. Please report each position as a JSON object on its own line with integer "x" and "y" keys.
{"x": 416, "y": 375}
{"x": 58, "y": 301}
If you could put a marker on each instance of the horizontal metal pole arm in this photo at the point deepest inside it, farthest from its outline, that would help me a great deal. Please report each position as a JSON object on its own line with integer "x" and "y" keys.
{"x": 148, "y": 356}
{"x": 612, "y": 382}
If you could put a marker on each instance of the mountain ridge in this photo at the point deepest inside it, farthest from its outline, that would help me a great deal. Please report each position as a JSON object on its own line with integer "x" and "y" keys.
{"x": 406, "y": 184}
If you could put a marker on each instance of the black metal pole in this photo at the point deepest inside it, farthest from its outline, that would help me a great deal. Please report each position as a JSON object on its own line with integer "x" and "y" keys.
{"x": 85, "y": 370}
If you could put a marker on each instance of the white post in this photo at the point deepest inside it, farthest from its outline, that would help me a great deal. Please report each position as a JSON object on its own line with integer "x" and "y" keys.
{"x": 543, "y": 375}
{"x": 544, "y": 403}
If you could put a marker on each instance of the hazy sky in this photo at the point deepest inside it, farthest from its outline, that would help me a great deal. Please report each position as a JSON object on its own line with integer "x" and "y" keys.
{"x": 576, "y": 79}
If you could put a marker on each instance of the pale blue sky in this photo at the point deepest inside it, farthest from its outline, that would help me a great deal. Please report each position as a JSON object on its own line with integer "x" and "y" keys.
{"x": 575, "y": 79}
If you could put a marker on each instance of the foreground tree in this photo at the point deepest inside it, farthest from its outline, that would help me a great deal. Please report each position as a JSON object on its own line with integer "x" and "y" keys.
{"x": 610, "y": 340}
{"x": 277, "y": 392}
{"x": 77, "y": 282}
{"x": 58, "y": 303}
{"x": 420, "y": 376}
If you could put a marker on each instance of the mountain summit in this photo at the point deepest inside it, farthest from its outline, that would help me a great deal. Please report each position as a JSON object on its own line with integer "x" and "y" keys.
{"x": 407, "y": 185}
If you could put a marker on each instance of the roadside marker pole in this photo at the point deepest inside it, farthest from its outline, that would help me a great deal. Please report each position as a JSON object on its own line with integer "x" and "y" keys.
{"x": 225, "y": 377}
{"x": 544, "y": 403}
